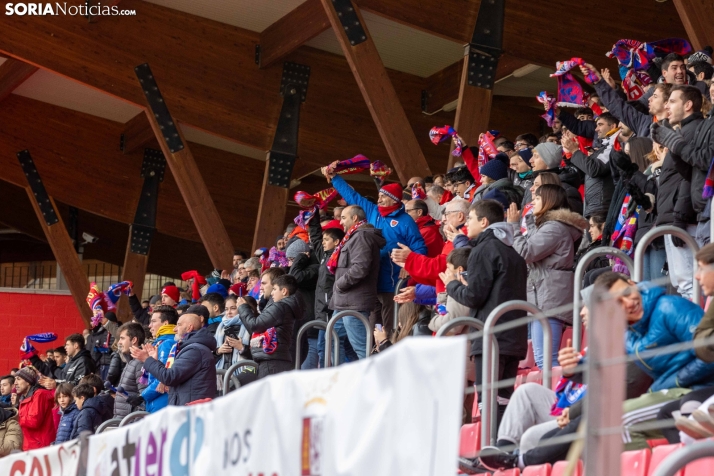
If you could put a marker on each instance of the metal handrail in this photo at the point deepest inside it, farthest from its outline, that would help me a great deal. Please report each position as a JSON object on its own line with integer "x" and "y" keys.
{"x": 112, "y": 423}
{"x": 395, "y": 323}
{"x": 331, "y": 327}
{"x": 490, "y": 362}
{"x": 132, "y": 417}
{"x": 682, "y": 457}
{"x": 222, "y": 374}
{"x": 461, "y": 321}
{"x": 584, "y": 262}
{"x": 232, "y": 370}
{"x": 298, "y": 343}
{"x": 682, "y": 235}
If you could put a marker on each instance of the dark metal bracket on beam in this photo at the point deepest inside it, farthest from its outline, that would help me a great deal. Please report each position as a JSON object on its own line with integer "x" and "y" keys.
{"x": 142, "y": 230}
{"x": 283, "y": 153}
{"x": 350, "y": 21}
{"x": 486, "y": 44}
{"x": 37, "y": 187}
{"x": 158, "y": 107}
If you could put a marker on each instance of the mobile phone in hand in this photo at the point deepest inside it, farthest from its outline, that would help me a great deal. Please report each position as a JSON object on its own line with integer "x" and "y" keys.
{"x": 378, "y": 327}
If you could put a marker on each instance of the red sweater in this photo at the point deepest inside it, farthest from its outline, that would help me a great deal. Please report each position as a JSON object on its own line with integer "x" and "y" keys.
{"x": 425, "y": 270}
{"x": 36, "y": 422}
{"x": 432, "y": 238}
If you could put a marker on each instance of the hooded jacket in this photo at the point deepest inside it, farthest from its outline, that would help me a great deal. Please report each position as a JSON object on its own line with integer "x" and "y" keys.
{"x": 193, "y": 373}
{"x": 668, "y": 320}
{"x": 432, "y": 236}
{"x": 154, "y": 399}
{"x": 10, "y": 431}
{"x": 89, "y": 417}
{"x": 599, "y": 184}
{"x": 697, "y": 154}
{"x": 549, "y": 250}
{"x": 496, "y": 274}
{"x": 66, "y": 424}
{"x": 78, "y": 366}
{"x": 35, "y": 415}
{"x": 358, "y": 271}
{"x": 397, "y": 227}
{"x": 281, "y": 317}
{"x": 130, "y": 381}
{"x": 325, "y": 279}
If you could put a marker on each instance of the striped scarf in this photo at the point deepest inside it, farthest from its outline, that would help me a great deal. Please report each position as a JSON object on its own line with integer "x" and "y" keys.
{"x": 623, "y": 236}
{"x": 332, "y": 262}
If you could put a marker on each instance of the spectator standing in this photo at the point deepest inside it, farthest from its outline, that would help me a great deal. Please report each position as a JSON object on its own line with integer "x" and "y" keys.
{"x": 80, "y": 360}
{"x": 99, "y": 345}
{"x": 35, "y": 410}
{"x": 68, "y": 410}
{"x": 419, "y": 211}
{"x": 304, "y": 268}
{"x": 131, "y": 335}
{"x": 163, "y": 328}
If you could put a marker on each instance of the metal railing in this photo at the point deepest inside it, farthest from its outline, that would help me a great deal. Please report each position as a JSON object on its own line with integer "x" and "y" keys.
{"x": 232, "y": 370}
{"x": 331, "y": 329}
{"x": 580, "y": 270}
{"x": 679, "y": 459}
{"x": 462, "y": 321}
{"x": 108, "y": 425}
{"x": 298, "y": 341}
{"x": 132, "y": 417}
{"x": 395, "y": 322}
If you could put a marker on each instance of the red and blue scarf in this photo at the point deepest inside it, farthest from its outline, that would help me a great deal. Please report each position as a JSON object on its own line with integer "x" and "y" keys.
{"x": 26, "y": 348}
{"x": 438, "y": 135}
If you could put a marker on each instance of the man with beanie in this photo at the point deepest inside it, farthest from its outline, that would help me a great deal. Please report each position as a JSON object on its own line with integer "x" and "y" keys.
{"x": 419, "y": 211}
{"x": 387, "y": 215}
{"x": 35, "y": 409}
{"x": 521, "y": 164}
{"x": 546, "y": 156}
{"x": 170, "y": 295}
{"x": 494, "y": 176}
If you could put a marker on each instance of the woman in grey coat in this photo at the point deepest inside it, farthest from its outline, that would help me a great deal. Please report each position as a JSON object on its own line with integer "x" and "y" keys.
{"x": 554, "y": 234}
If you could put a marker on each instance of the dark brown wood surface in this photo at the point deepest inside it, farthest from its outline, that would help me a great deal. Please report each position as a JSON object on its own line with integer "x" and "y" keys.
{"x": 138, "y": 134}
{"x": 697, "y": 17}
{"x": 271, "y": 213}
{"x": 134, "y": 270}
{"x": 12, "y": 74}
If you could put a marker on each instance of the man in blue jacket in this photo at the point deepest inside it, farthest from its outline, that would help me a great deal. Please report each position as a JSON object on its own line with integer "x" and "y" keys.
{"x": 162, "y": 326}
{"x": 397, "y": 226}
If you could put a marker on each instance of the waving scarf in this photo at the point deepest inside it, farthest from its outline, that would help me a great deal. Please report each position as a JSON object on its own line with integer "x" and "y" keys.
{"x": 311, "y": 204}
{"x": 198, "y": 281}
{"x": 278, "y": 257}
{"x": 332, "y": 262}
{"x": 26, "y": 348}
{"x": 636, "y": 55}
{"x": 570, "y": 92}
{"x": 486, "y": 148}
{"x": 548, "y": 101}
{"x": 379, "y": 172}
{"x": 418, "y": 192}
{"x": 438, "y": 135}
{"x": 623, "y": 236}
{"x": 355, "y": 165}
{"x": 634, "y": 84}
{"x": 115, "y": 291}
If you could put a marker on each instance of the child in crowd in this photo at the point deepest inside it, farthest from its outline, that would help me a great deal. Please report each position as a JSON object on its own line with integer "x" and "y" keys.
{"x": 90, "y": 410}
{"x": 68, "y": 411}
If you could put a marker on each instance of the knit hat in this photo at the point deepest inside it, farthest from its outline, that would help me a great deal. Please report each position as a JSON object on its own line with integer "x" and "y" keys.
{"x": 393, "y": 191}
{"x": 702, "y": 55}
{"x": 498, "y": 196}
{"x": 200, "y": 310}
{"x": 219, "y": 289}
{"x": 111, "y": 316}
{"x": 172, "y": 292}
{"x": 503, "y": 157}
{"x": 154, "y": 300}
{"x": 296, "y": 248}
{"x": 494, "y": 169}
{"x": 550, "y": 153}
{"x": 526, "y": 155}
{"x": 28, "y": 375}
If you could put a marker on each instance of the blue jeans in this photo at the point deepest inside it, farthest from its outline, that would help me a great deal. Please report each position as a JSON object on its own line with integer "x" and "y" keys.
{"x": 356, "y": 333}
{"x": 321, "y": 348}
{"x": 556, "y": 330}
{"x": 311, "y": 361}
{"x": 653, "y": 264}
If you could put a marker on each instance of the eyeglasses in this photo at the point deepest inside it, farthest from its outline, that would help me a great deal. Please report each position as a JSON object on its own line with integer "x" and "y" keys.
{"x": 452, "y": 211}
{"x": 521, "y": 145}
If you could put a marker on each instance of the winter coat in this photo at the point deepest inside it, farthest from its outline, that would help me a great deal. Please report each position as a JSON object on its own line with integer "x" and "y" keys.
{"x": 496, "y": 274}
{"x": 599, "y": 184}
{"x": 325, "y": 279}
{"x": 89, "y": 417}
{"x": 193, "y": 373}
{"x": 618, "y": 107}
{"x": 99, "y": 345}
{"x": 432, "y": 236}
{"x": 358, "y": 271}
{"x": 155, "y": 400}
{"x": 281, "y": 318}
{"x": 549, "y": 251}
{"x": 397, "y": 227}
{"x": 66, "y": 425}
{"x": 10, "y": 431}
{"x": 580, "y": 128}
{"x": 116, "y": 367}
{"x": 668, "y": 320}
{"x": 697, "y": 154}
{"x": 597, "y": 263}
{"x": 425, "y": 270}
{"x": 142, "y": 316}
{"x": 130, "y": 382}
{"x": 305, "y": 270}
{"x": 705, "y": 330}
{"x": 35, "y": 415}
{"x": 454, "y": 310}
{"x": 78, "y": 366}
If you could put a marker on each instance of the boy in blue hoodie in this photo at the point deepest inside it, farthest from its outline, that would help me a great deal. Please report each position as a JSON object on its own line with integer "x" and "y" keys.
{"x": 162, "y": 325}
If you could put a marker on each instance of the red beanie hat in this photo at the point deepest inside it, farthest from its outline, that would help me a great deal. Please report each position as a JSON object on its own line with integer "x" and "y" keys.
{"x": 172, "y": 292}
{"x": 393, "y": 191}
{"x": 332, "y": 224}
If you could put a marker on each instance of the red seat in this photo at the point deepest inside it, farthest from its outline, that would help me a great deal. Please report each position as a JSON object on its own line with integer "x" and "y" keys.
{"x": 529, "y": 362}
{"x": 700, "y": 467}
{"x": 475, "y": 411}
{"x": 635, "y": 463}
{"x": 535, "y": 376}
{"x": 556, "y": 373}
{"x": 520, "y": 380}
{"x": 567, "y": 334}
{"x": 508, "y": 472}
{"x": 559, "y": 468}
{"x": 659, "y": 453}
{"x": 540, "y": 470}
{"x": 658, "y": 442}
{"x": 470, "y": 442}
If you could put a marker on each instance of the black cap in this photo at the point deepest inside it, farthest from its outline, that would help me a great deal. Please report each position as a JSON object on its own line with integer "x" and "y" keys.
{"x": 198, "y": 309}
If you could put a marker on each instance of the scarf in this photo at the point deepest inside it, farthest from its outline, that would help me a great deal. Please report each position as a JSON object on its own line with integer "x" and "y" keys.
{"x": 166, "y": 329}
{"x": 277, "y": 256}
{"x": 172, "y": 356}
{"x": 438, "y": 135}
{"x": 567, "y": 393}
{"x": 570, "y": 92}
{"x": 115, "y": 291}
{"x": 379, "y": 172}
{"x": 623, "y": 236}
{"x": 527, "y": 210}
{"x": 708, "y": 190}
{"x": 311, "y": 204}
{"x": 196, "y": 284}
{"x": 355, "y": 165}
{"x": 418, "y": 192}
{"x": 26, "y": 348}
{"x": 220, "y": 339}
{"x": 548, "y": 101}
{"x": 332, "y": 262}
{"x": 634, "y": 83}
{"x": 386, "y": 211}
{"x": 467, "y": 193}
{"x": 636, "y": 55}
{"x": 486, "y": 148}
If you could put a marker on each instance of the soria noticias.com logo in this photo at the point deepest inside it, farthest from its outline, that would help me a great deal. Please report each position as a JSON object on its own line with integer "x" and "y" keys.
{"x": 57, "y": 8}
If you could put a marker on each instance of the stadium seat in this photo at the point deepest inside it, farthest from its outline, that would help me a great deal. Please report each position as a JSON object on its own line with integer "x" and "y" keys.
{"x": 508, "y": 472}
{"x": 520, "y": 379}
{"x": 535, "y": 376}
{"x": 470, "y": 442}
{"x": 567, "y": 334}
{"x": 529, "y": 362}
{"x": 700, "y": 467}
{"x": 556, "y": 373}
{"x": 659, "y": 453}
{"x": 658, "y": 442}
{"x": 540, "y": 470}
{"x": 475, "y": 411}
{"x": 635, "y": 463}
{"x": 559, "y": 468}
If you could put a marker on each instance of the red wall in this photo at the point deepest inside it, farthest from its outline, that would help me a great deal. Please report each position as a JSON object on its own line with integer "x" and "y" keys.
{"x": 22, "y": 314}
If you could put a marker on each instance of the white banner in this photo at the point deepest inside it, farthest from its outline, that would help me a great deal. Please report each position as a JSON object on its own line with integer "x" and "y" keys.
{"x": 59, "y": 460}
{"x": 396, "y": 413}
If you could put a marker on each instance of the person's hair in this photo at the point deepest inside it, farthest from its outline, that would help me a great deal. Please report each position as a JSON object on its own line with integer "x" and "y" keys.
{"x": 408, "y": 316}
{"x": 462, "y": 175}
{"x": 133, "y": 329}
{"x": 95, "y": 381}
{"x": 61, "y": 350}
{"x": 290, "y": 228}
{"x": 65, "y": 388}
{"x": 253, "y": 273}
{"x": 334, "y": 233}
{"x": 583, "y": 111}
{"x": 507, "y": 144}
{"x": 437, "y": 189}
{"x": 607, "y": 117}
{"x": 669, "y": 59}
{"x": 459, "y": 257}
{"x": 357, "y": 211}
{"x": 706, "y": 254}
{"x": 214, "y": 299}
{"x": 421, "y": 205}
{"x": 608, "y": 279}
{"x": 168, "y": 283}
{"x": 639, "y": 106}
{"x": 690, "y": 93}
{"x": 488, "y": 209}
{"x": 288, "y": 282}
{"x": 167, "y": 314}
{"x": 458, "y": 205}
{"x": 76, "y": 339}
{"x": 553, "y": 198}
{"x": 83, "y": 390}
{"x": 666, "y": 90}
{"x": 6, "y": 377}
{"x": 528, "y": 138}
{"x": 599, "y": 218}
{"x": 249, "y": 300}
{"x": 639, "y": 148}
{"x": 252, "y": 263}
{"x": 549, "y": 178}
{"x": 700, "y": 67}
{"x": 273, "y": 273}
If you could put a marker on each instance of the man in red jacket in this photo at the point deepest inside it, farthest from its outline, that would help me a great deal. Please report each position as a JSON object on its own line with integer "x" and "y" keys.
{"x": 36, "y": 403}
{"x": 419, "y": 211}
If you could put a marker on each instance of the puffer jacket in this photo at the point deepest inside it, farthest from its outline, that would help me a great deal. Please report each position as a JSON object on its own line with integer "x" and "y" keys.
{"x": 325, "y": 279}
{"x": 130, "y": 381}
{"x": 397, "y": 227}
{"x": 192, "y": 376}
{"x": 10, "y": 431}
{"x": 64, "y": 430}
{"x": 698, "y": 153}
{"x": 35, "y": 415}
{"x": 99, "y": 344}
{"x": 549, "y": 251}
{"x": 278, "y": 317}
{"x": 357, "y": 272}
{"x": 116, "y": 367}
{"x": 668, "y": 320}
{"x": 89, "y": 417}
{"x": 155, "y": 400}
{"x": 599, "y": 184}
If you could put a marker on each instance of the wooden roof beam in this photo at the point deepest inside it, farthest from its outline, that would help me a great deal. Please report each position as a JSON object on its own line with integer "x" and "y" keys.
{"x": 697, "y": 17}
{"x": 137, "y": 134}
{"x": 12, "y": 74}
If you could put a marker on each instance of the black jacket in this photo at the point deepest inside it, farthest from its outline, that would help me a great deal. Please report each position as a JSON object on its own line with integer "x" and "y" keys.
{"x": 641, "y": 181}
{"x": 496, "y": 274}
{"x": 698, "y": 154}
{"x": 599, "y": 184}
{"x": 143, "y": 316}
{"x": 116, "y": 367}
{"x": 48, "y": 368}
{"x": 78, "y": 366}
{"x": 89, "y": 418}
{"x": 325, "y": 279}
{"x": 305, "y": 270}
{"x": 99, "y": 345}
{"x": 193, "y": 373}
{"x": 280, "y": 316}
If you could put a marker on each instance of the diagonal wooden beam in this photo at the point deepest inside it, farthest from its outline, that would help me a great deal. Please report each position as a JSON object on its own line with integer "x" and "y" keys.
{"x": 137, "y": 134}
{"x": 12, "y": 74}
{"x": 697, "y": 17}
{"x": 381, "y": 98}
{"x": 292, "y": 31}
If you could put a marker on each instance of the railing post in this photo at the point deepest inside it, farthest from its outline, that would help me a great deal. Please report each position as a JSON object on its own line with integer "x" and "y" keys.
{"x": 662, "y": 231}
{"x": 298, "y": 343}
{"x": 682, "y": 457}
{"x": 231, "y": 370}
{"x": 331, "y": 327}
{"x": 461, "y": 321}
{"x": 584, "y": 262}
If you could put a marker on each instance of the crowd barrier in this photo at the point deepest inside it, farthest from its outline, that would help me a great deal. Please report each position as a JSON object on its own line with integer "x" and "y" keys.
{"x": 307, "y": 326}
{"x": 109, "y": 424}
{"x": 679, "y": 459}
{"x": 221, "y": 376}
{"x": 132, "y": 417}
{"x": 232, "y": 370}
{"x": 331, "y": 330}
